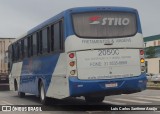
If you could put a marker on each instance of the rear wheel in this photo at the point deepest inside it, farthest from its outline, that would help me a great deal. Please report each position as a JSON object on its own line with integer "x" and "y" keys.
{"x": 155, "y": 82}
{"x": 44, "y": 100}
{"x": 90, "y": 99}
{"x": 21, "y": 94}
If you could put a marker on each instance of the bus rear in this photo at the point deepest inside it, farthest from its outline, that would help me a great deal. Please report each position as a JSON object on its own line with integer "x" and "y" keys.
{"x": 105, "y": 52}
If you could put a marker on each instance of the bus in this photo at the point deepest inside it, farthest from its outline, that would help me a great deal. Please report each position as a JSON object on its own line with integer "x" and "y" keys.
{"x": 91, "y": 52}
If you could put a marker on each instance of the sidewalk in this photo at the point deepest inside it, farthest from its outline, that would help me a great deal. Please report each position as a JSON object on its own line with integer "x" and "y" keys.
{"x": 151, "y": 85}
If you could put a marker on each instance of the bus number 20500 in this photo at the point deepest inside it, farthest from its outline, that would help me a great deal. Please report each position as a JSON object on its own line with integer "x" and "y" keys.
{"x": 108, "y": 52}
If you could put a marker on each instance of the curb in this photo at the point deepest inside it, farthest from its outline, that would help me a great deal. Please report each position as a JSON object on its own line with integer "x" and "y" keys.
{"x": 155, "y": 88}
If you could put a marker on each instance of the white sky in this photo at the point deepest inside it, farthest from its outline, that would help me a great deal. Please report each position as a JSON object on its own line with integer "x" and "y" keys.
{"x": 19, "y": 16}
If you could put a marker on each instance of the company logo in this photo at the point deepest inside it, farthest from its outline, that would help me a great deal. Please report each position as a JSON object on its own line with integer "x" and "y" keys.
{"x": 95, "y": 20}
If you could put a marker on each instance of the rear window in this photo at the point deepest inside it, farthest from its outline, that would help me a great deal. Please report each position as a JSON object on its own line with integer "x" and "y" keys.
{"x": 104, "y": 24}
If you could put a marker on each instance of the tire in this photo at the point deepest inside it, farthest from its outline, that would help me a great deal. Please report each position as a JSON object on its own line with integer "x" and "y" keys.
{"x": 43, "y": 99}
{"x": 89, "y": 99}
{"x": 155, "y": 82}
{"x": 21, "y": 94}
{"x": 15, "y": 85}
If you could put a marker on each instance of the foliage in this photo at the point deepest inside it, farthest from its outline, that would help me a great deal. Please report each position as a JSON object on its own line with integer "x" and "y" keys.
{"x": 150, "y": 52}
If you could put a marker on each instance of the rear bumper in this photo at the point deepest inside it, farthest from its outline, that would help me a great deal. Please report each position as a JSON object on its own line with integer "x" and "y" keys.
{"x": 97, "y": 87}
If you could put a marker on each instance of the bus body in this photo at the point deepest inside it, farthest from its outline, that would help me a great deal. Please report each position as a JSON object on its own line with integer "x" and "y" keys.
{"x": 87, "y": 51}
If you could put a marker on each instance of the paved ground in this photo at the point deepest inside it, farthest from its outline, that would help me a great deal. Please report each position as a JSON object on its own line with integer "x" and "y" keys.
{"x": 79, "y": 106}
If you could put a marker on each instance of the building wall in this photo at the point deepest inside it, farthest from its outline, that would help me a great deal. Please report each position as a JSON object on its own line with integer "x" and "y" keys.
{"x": 153, "y": 65}
{"x": 152, "y": 43}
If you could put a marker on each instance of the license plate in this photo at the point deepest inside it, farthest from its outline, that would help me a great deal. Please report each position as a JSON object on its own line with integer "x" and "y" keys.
{"x": 111, "y": 85}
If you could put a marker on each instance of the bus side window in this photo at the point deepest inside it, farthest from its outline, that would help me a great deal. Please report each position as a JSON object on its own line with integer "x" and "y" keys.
{"x": 25, "y": 47}
{"x": 34, "y": 45}
{"x": 29, "y": 46}
{"x": 40, "y": 42}
{"x": 49, "y": 39}
{"x": 15, "y": 52}
{"x": 58, "y": 36}
{"x": 52, "y": 38}
{"x": 22, "y": 49}
{"x": 61, "y": 35}
{"x": 45, "y": 40}
{"x": 18, "y": 50}
{"x": 12, "y": 53}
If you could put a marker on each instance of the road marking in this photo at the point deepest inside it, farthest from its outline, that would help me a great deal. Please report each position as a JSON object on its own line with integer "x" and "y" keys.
{"x": 150, "y": 99}
{"x": 112, "y": 102}
{"x": 146, "y": 96}
{"x": 47, "y": 113}
{"x": 90, "y": 112}
{"x": 158, "y": 97}
{"x": 129, "y": 100}
{"x": 7, "y": 103}
{"x": 155, "y": 97}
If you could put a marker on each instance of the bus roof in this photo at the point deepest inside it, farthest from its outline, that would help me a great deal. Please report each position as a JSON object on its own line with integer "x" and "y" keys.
{"x": 79, "y": 9}
{"x": 76, "y": 10}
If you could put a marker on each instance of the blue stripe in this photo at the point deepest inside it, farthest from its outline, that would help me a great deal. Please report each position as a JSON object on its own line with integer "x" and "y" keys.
{"x": 85, "y": 87}
{"x": 37, "y": 68}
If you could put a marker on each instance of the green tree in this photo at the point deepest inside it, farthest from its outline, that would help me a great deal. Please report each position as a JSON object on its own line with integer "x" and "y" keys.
{"x": 150, "y": 52}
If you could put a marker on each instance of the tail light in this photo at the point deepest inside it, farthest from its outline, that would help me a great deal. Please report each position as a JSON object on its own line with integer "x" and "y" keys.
{"x": 142, "y": 60}
{"x": 72, "y": 63}
{"x": 71, "y": 55}
{"x": 72, "y": 69}
{"x": 141, "y": 52}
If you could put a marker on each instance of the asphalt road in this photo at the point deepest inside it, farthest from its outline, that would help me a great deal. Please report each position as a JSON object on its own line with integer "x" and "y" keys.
{"x": 79, "y": 106}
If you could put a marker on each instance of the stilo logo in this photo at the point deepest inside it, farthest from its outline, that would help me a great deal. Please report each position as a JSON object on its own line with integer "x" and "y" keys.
{"x": 94, "y": 20}
{"x": 109, "y": 21}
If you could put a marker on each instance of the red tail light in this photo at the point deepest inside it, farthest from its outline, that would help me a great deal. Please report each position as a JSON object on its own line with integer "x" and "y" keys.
{"x": 141, "y": 52}
{"x": 72, "y": 63}
{"x": 71, "y": 55}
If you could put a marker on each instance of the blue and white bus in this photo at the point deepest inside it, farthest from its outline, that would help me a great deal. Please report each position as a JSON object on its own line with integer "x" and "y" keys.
{"x": 87, "y": 51}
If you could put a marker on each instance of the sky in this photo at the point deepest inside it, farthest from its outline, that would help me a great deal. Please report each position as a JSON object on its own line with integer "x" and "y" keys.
{"x": 19, "y": 16}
